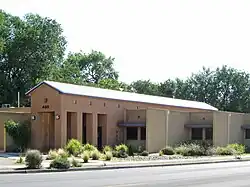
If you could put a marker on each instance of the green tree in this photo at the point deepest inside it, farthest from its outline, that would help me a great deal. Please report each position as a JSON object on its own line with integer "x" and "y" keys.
{"x": 145, "y": 87}
{"x": 94, "y": 66}
{"x": 114, "y": 85}
{"x": 30, "y": 47}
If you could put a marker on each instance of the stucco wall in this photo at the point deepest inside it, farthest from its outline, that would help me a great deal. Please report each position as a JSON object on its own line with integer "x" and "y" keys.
{"x": 156, "y": 131}
{"x": 236, "y": 134}
{"x": 176, "y": 130}
{"x": 220, "y": 128}
{"x": 201, "y": 118}
{"x": 20, "y": 117}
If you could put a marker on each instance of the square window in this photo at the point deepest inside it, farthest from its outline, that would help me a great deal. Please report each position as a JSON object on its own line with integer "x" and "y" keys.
{"x": 143, "y": 133}
{"x": 196, "y": 134}
{"x": 132, "y": 133}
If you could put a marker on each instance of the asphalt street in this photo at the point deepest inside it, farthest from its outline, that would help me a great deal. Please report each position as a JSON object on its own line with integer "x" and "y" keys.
{"x": 208, "y": 175}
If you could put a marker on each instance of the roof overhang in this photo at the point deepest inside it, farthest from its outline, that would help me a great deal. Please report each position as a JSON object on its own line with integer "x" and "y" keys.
{"x": 198, "y": 126}
{"x": 246, "y": 126}
{"x": 131, "y": 124}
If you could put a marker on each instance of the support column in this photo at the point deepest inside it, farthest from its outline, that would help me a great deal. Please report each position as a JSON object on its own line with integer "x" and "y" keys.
{"x": 63, "y": 129}
{"x": 94, "y": 129}
{"x": 138, "y": 133}
{"x": 203, "y": 133}
{"x": 79, "y": 126}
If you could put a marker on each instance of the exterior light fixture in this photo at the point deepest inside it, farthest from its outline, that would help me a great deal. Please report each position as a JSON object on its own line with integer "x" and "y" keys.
{"x": 33, "y": 117}
{"x": 57, "y": 117}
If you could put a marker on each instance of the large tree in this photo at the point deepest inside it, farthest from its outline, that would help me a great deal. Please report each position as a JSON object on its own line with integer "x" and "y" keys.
{"x": 94, "y": 66}
{"x": 30, "y": 47}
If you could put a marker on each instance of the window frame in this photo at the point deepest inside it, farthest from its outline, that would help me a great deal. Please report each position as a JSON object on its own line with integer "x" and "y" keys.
{"x": 134, "y": 135}
{"x": 200, "y": 136}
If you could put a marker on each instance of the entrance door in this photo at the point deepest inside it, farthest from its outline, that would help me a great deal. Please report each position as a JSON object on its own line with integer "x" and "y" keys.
{"x": 52, "y": 130}
{"x": 48, "y": 130}
{"x": 99, "y": 138}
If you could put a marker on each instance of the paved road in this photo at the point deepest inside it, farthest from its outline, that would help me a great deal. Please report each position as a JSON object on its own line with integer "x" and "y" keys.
{"x": 210, "y": 175}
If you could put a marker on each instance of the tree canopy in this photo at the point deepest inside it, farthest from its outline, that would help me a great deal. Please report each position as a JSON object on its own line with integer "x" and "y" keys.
{"x": 32, "y": 49}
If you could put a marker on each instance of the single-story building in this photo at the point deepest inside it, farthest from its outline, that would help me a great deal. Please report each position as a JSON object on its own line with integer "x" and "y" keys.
{"x": 61, "y": 111}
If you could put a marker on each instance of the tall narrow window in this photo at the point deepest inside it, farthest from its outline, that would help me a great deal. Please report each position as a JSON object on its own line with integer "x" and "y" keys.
{"x": 143, "y": 133}
{"x": 209, "y": 133}
{"x": 247, "y": 134}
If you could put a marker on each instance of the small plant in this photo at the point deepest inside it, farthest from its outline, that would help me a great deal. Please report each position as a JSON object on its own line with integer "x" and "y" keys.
{"x": 62, "y": 153}
{"x": 239, "y": 148}
{"x": 95, "y": 155}
{"x": 115, "y": 153}
{"x": 20, "y": 160}
{"x": 225, "y": 151}
{"x": 85, "y": 157}
{"x": 52, "y": 155}
{"x": 74, "y": 147}
{"x": 161, "y": 153}
{"x": 33, "y": 159}
{"x": 108, "y": 156}
{"x": 168, "y": 151}
{"x": 76, "y": 163}
{"x": 107, "y": 149}
{"x": 89, "y": 147}
{"x": 121, "y": 147}
{"x": 60, "y": 163}
{"x": 144, "y": 153}
{"x": 122, "y": 154}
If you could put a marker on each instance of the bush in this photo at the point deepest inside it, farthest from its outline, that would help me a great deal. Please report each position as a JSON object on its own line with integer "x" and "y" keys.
{"x": 121, "y": 147}
{"x": 89, "y": 147}
{"x": 95, "y": 155}
{"x": 20, "y": 160}
{"x": 52, "y": 155}
{"x": 62, "y": 153}
{"x": 144, "y": 153}
{"x": 60, "y": 163}
{"x": 167, "y": 151}
{"x": 76, "y": 163}
{"x": 108, "y": 156}
{"x": 85, "y": 157}
{"x": 130, "y": 150}
{"x": 122, "y": 154}
{"x": 107, "y": 149}
{"x": 33, "y": 159}
{"x": 19, "y": 132}
{"x": 161, "y": 153}
{"x": 115, "y": 153}
{"x": 74, "y": 147}
{"x": 225, "y": 151}
{"x": 239, "y": 148}
{"x": 190, "y": 150}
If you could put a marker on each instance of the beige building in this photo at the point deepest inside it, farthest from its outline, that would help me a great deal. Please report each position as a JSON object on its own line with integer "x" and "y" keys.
{"x": 101, "y": 117}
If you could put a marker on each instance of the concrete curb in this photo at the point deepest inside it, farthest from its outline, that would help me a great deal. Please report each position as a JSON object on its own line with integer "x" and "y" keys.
{"x": 26, "y": 171}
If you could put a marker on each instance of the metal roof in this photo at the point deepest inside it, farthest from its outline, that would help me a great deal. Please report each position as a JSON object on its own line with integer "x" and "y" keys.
{"x": 66, "y": 88}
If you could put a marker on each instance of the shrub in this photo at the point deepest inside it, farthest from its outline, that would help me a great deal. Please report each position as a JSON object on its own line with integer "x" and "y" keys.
{"x": 108, "y": 156}
{"x": 115, "y": 153}
{"x": 144, "y": 153}
{"x": 130, "y": 150}
{"x": 52, "y": 155}
{"x": 167, "y": 151}
{"x": 225, "y": 151}
{"x": 62, "y": 153}
{"x": 161, "y": 153}
{"x": 33, "y": 159}
{"x": 95, "y": 155}
{"x": 239, "y": 148}
{"x": 60, "y": 163}
{"x": 121, "y": 147}
{"x": 122, "y": 154}
{"x": 190, "y": 150}
{"x": 85, "y": 157}
{"x": 107, "y": 149}
{"x": 74, "y": 147}
{"x": 19, "y": 132}
{"x": 89, "y": 147}
{"x": 76, "y": 163}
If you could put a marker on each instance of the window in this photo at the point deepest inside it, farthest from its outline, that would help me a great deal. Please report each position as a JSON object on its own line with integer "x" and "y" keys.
{"x": 118, "y": 105}
{"x": 209, "y": 133}
{"x": 247, "y": 134}
{"x": 143, "y": 133}
{"x": 104, "y": 104}
{"x": 132, "y": 133}
{"x": 196, "y": 134}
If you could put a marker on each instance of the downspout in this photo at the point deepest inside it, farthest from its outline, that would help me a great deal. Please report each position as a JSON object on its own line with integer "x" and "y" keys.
{"x": 228, "y": 127}
{"x": 167, "y": 124}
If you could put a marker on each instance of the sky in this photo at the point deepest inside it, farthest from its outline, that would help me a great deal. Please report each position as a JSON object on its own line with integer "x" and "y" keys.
{"x": 152, "y": 39}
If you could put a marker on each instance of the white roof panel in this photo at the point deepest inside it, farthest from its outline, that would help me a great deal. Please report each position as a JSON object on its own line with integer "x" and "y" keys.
{"x": 125, "y": 96}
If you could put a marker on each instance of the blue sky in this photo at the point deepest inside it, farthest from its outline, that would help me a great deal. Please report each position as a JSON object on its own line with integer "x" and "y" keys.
{"x": 152, "y": 39}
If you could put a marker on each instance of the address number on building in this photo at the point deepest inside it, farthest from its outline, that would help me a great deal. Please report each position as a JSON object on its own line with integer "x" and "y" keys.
{"x": 45, "y": 106}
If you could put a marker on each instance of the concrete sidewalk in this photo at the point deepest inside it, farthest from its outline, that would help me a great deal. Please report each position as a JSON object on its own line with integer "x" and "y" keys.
{"x": 96, "y": 165}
